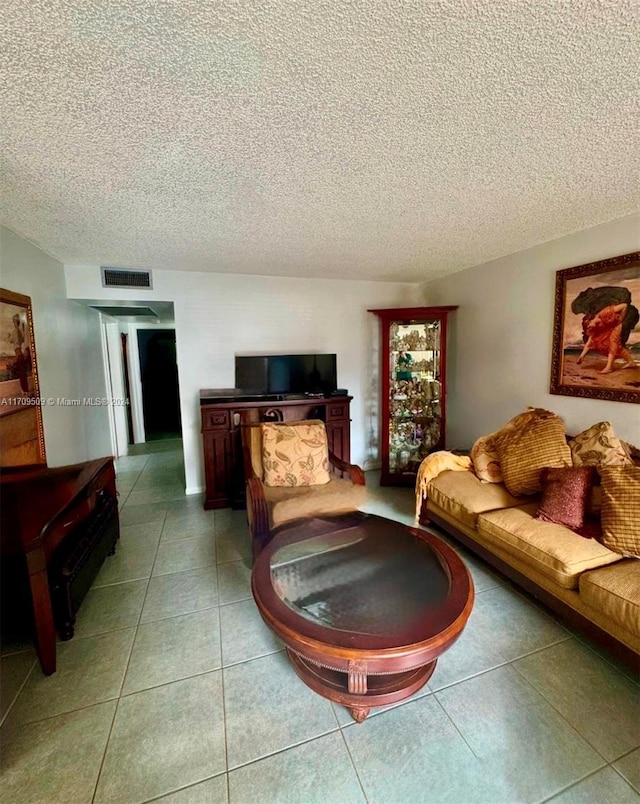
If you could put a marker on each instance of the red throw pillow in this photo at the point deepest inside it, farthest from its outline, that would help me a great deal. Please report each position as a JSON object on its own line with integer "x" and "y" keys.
{"x": 565, "y": 494}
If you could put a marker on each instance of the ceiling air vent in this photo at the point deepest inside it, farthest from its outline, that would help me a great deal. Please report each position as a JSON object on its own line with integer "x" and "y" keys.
{"x": 125, "y": 278}
{"x": 122, "y": 312}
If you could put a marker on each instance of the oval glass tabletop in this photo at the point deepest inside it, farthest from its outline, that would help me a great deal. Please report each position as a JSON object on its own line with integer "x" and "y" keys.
{"x": 375, "y": 580}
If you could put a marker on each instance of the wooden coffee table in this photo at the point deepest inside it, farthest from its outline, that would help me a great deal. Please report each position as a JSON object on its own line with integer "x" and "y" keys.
{"x": 364, "y": 605}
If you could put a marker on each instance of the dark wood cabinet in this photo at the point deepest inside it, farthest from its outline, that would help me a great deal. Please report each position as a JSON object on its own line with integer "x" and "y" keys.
{"x": 222, "y": 414}
{"x": 413, "y": 389}
{"x": 57, "y": 527}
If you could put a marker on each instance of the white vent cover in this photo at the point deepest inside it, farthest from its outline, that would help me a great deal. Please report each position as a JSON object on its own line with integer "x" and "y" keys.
{"x": 125, "y": 278}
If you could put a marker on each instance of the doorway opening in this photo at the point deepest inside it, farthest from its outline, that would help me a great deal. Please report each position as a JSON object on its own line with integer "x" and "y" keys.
{"x": 159, "y": 380}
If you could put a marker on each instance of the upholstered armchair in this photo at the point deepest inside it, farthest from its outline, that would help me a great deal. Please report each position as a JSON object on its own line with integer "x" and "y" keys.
{"x": 290, "y": 473}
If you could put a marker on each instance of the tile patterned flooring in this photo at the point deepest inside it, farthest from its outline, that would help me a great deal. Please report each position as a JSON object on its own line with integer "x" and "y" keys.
{"x": 173, "y": 690}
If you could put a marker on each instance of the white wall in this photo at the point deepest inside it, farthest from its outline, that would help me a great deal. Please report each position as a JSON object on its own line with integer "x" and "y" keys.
{"x": 218, "y": 315}
{"x": 501, "y": 338}
{"x": 68, "y": 349}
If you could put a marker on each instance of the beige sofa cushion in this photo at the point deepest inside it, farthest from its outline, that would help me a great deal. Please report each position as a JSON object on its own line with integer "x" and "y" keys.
{"x": 616, "y": 592}
{"x": 554, "y": 551}
{"x": 463, "y": 496}
{"x": 286, "y": 503}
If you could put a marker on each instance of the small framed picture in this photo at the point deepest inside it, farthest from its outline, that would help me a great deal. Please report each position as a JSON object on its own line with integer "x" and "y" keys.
{"x": 21, "y": 433}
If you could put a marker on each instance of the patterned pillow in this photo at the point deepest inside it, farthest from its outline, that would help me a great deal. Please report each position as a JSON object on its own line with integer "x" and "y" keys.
{"x": 525, "y": 452}
{"x": 295, "y": 454}
{"x": 620, "y": 514}
{"x": 485, "y": 451}
{"x": 565, "y": 495}
{"x": 484, "y": 456}
{"x": 598, "y": 446}
{"x": 632, "y": 451}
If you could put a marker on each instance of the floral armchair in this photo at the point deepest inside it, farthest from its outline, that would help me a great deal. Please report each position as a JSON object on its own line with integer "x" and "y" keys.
{"x": 291, "y": 473}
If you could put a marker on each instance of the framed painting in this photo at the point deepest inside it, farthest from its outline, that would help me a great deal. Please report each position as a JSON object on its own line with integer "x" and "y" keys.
{"x": 596, "y": 330}
{"x": 21, "y": 432}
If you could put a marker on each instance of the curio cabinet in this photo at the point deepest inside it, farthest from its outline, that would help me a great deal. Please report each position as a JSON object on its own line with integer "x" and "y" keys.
{"x": 413, "y": 386}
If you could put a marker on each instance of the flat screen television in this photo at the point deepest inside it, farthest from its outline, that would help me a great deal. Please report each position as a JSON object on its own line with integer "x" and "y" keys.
{"x": 286, "y": 374}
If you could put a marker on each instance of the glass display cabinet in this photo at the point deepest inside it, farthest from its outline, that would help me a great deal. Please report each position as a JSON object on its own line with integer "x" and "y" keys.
{"x": 413, "y": 385}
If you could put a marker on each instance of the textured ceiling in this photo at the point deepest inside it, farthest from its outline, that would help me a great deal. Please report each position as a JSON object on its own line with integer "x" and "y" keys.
{"x": 373, "y": 139}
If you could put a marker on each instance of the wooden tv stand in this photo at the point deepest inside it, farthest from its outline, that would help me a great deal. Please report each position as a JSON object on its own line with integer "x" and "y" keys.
{"x": 224, "y": 410}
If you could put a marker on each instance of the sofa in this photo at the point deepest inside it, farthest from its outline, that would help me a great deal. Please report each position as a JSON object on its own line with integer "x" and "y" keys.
{"x": 592, "y": 582}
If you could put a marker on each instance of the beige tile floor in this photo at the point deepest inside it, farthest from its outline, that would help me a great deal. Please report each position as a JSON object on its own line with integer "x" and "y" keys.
{"x": 173, "y": 690}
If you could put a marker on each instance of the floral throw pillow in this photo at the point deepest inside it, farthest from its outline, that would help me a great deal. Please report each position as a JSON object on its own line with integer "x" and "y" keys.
{"x": 485, "y": 459}
{"x": 598, "y": 446}
{"x": 295, "y": 454}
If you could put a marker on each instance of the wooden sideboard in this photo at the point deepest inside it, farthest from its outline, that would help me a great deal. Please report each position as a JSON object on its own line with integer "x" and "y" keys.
{"x": 57, "y": 527}
{"x": 224, "y": 411}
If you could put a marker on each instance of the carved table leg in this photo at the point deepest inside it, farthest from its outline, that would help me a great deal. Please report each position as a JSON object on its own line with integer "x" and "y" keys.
{"x": 357, "y": 677}
{"x": 357, "y": 685}
{"x": 359, "y": 713}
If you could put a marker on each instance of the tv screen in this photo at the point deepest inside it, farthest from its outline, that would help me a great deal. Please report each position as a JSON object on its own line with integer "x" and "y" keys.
{"x": 287, "y": 374}
{"x": 251, "y": 374}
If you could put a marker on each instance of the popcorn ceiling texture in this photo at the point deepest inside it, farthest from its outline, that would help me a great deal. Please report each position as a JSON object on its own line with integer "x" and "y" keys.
{"x": 395, "y": 141}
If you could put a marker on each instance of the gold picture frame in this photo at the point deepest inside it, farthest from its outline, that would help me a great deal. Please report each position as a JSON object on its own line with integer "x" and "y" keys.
{"x": 21, "y": 431}
{"x": 596, "y": 330}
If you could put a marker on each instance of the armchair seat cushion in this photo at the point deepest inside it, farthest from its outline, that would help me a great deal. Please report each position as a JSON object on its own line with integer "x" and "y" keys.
{"x": 286, "y": 503}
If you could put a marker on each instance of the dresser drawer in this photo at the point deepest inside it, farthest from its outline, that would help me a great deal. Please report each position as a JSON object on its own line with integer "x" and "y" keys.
{"x": 337, "y": 410}
{"x": 65, "y": 523}
{"x": 102, "y": 484}
{"x": 215, "y": 419}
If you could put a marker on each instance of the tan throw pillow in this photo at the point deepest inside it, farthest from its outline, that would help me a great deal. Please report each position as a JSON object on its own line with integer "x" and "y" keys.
{"x": 620, "y": 513}
{"x": 525, "y": 452}
{"x": 485, "y": 451}
{"x": 598, "y": 446}
{"x": 295, "y": 454}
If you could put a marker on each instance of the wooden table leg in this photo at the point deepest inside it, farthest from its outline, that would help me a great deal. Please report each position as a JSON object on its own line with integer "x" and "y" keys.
{"x": 45, "y": 631}
{"x": 359, "y": 713}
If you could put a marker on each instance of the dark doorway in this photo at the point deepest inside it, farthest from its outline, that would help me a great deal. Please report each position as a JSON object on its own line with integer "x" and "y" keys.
{"x": 127, "y": 385}
{"x": 159, "y": 375}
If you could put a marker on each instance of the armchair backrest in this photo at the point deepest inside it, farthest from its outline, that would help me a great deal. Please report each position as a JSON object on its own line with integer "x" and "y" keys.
{"x": 293, "y": 453}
